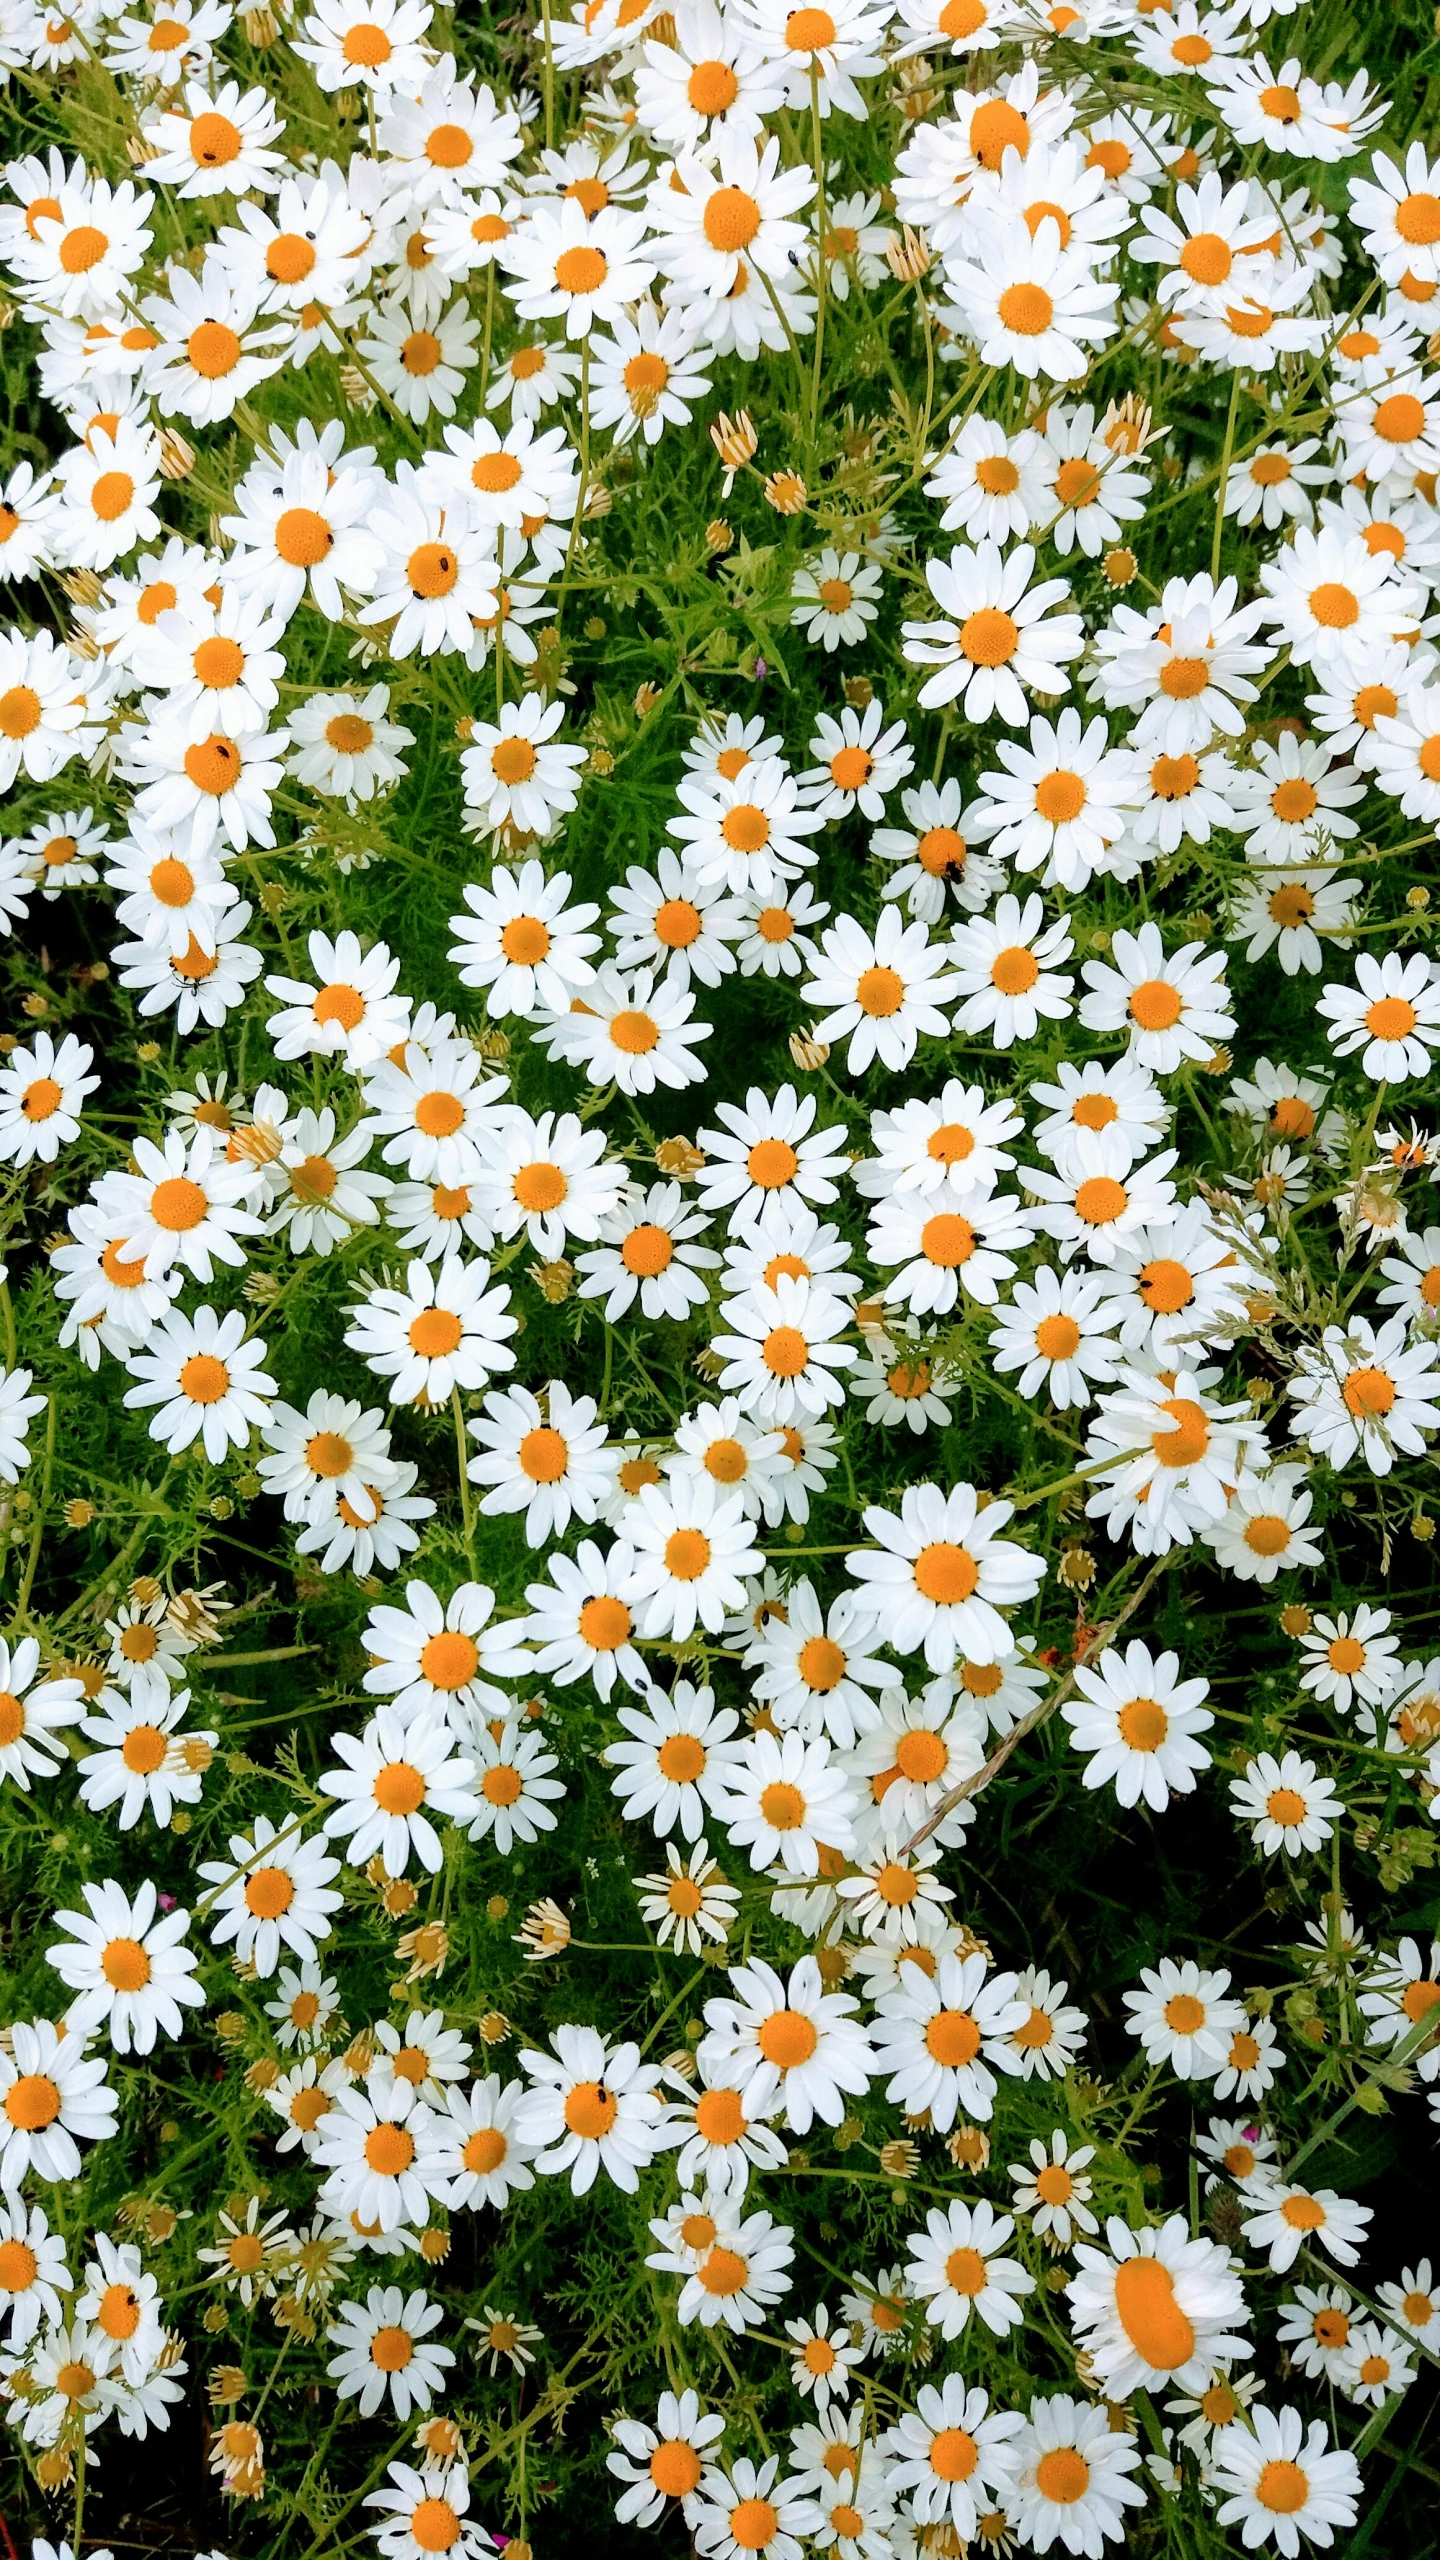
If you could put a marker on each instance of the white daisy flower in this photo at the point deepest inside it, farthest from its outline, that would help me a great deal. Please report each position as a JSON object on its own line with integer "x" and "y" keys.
{"x": 789, "y": 2040}
{"x": 1058, "y": 1332}
{"x": 1156, "y": 2306}
{"x": 667, "y": 2460}
{"x": 1184, "y": 2018}
{"x": 1262, "y": 1530}
{"x": 33, "y": 1714}
{"x": 274, "y": 1891}
{"x": 1139, "y": 1723}
{"x": 396, "y": 1775}
{"x": 943, "y": 1573}
{"x": 1073, "y": 2481}
{"x": 834, "y": 597}
{"x": 386, "y": 2351}
{"x": 952, "y": 2457}
{"x": 133, "y": 1974}
{"x": 1287, "y": 1803}
{"x": 676, "y": 1765}
{"x": 583, "y": 1625}
{"x": 353, "y": 1012}
{"x": 1053, "y": 2191}
{"x": 1279, "y": 2480}
{"x": 441, "y": 1660}
{"x": 1366, "y": 1391}
{"x": 783, "y": 1799}
{"x": 445, "y": 1330}
{"x": 1005, "y": 973}
{"x": 815, "y": 1668}
{"x": 936, "y": 854}
{"x": 512, "y": 1784}
{"x": 591, "y": 2106}
{"x": 783, "y": 1355}
{"x": 939, "y": 2036}
{"x": 52, "y": 2097}
{"x": 632, "y": 1033}
{"x": 957, "y": 2266}
{"x": 1001, "y": 637}
{"x": 206, "y": 1379}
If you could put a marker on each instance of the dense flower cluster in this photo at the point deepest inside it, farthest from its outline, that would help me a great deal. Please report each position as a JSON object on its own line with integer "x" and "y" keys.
{"x": 719, "y": 1297}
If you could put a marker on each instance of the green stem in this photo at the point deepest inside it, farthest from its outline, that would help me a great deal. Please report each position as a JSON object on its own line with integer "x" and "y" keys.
{"x": 1224, "y": 475}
